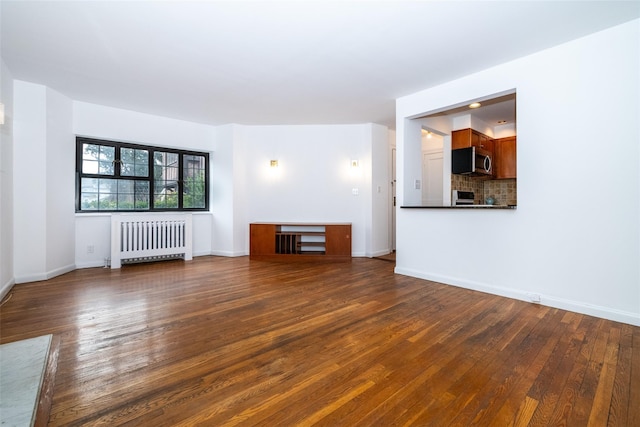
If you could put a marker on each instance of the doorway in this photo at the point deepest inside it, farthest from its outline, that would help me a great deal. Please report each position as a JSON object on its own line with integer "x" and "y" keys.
{"x": 432, "y": 172}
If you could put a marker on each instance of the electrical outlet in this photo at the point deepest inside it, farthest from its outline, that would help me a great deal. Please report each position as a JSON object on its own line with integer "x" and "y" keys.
{"x": 90, "y": 249}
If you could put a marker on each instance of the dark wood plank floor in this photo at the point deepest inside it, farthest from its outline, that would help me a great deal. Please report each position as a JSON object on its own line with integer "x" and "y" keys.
{"x": 228, "y": 341}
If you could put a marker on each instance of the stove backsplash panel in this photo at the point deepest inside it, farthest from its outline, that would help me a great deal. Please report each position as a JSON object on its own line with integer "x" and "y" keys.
{"x": 504, "y": 191}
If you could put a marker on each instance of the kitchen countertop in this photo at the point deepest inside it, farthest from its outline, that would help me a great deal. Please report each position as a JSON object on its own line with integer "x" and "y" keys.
{"x": 461, "y": 207}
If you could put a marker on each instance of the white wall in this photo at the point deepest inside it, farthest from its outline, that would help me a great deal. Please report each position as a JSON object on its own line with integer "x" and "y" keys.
{"x": 380, "y": 192}
{"x": 60, "y": 181}
{"x": 575, "y": 236}
{"x": 6, "y": 182}
{"x": 227, "y": 194}
{"x": 43, "y": 183}
{"x": 97, "y": 121}
{"x": 30, "y": 165}
{"x": 409, "y": 157}
{"x": 314, "y": 180}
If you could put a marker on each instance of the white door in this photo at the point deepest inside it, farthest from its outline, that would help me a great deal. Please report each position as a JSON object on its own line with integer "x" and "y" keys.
{"x": 432, "y": 178}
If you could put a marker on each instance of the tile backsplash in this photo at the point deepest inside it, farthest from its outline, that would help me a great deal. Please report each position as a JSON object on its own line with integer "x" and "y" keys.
{"x": 465, "y": 183}
{"x": 504, "y": 191}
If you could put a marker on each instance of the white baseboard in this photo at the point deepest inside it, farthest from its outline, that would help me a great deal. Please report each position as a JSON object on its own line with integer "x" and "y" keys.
{"x": 228, "y": 253}
{"x": 6, "y": 288}
{"x": 94, "y": 264}
{"x": 201, "y": 253}
{"x": 91, "y": 264}
{"x": 546, "y": 300}
{"x": 45, "y": 276}
{"x": 379, "y": 253}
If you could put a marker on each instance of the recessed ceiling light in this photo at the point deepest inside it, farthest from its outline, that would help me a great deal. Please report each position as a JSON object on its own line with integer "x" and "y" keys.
{"x": 475, "y": 105}
{"x": 501, "y": 122}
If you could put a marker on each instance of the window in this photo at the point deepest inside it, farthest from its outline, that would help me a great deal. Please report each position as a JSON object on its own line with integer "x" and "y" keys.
{"x": 114, "y": 176}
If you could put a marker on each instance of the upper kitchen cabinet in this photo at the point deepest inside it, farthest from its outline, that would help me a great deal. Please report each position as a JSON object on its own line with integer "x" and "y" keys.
{"x": 466, "y": 138}
{"x": 505, "y": 157}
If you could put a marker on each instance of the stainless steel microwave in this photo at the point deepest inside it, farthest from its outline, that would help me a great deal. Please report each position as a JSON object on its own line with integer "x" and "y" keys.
{"x": 471, "y": 161}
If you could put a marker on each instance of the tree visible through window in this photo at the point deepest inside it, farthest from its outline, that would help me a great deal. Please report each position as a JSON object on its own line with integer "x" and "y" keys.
{"x": 114, "y": 176}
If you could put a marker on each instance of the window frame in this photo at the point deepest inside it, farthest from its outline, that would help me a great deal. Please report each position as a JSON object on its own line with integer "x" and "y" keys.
{"x": 80, "y": 141}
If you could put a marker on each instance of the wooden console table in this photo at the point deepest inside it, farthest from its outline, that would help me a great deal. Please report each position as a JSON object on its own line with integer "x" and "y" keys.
{"x": 300, "y": 241}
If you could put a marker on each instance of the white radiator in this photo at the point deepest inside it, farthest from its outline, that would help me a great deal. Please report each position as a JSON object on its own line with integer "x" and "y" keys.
{"x": 150, "y": 237}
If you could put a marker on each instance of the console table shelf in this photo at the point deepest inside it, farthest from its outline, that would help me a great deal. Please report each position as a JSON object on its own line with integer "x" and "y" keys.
{"x": 300, "y": 241}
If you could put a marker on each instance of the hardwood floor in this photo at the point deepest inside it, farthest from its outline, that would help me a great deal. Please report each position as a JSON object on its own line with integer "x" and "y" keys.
{"x": 228, "y": 341}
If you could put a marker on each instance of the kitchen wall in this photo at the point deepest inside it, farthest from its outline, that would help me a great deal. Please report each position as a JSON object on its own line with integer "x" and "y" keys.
{"x": 504, "y": 191}
{"x": 466, "y": 183}
{"x": 574, "y": 239}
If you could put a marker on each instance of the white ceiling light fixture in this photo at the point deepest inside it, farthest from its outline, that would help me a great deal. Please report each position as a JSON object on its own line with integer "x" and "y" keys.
{"x": 475, "y": 105}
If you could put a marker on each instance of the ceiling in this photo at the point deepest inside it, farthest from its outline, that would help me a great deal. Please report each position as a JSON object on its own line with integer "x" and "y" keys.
{"x": 276, "y": 62}
{"x": 494, "y": 111}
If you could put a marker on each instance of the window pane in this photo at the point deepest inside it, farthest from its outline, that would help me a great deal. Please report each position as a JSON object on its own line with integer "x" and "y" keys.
{"x": 90, "y": 189}
{"x": 125, "y": 186}
{"x": 107, "y": 194}
{"x": 133, "y": 194}
{"x": 107, "y": 201}
{"x": 108, "y": 186}
{"x": 125, "y": 202}
{"x": 89, "y": 185}
{"x": 134, "y": 162}
{"x": 105, "y": 168}
{"x": 113, "y": 194}
{"x": 89, "y": 166}
{"x": 166, "y": 199}
{"x": 193, "y": 195}
{"x": 107, "y": 154}
{"x": 98, "y": 159}
{"x": 141, "y": 195}
{"x": 141, "y": 170}
{"x": 165, "y": 172}
{"x": 90, "y": 202}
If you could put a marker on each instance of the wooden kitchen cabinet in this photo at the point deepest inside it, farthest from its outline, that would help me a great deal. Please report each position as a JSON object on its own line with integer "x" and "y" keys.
{"x": 300, "y": 241}
{"x": 505, "y": 158}
{"x": 465, "y": 138}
